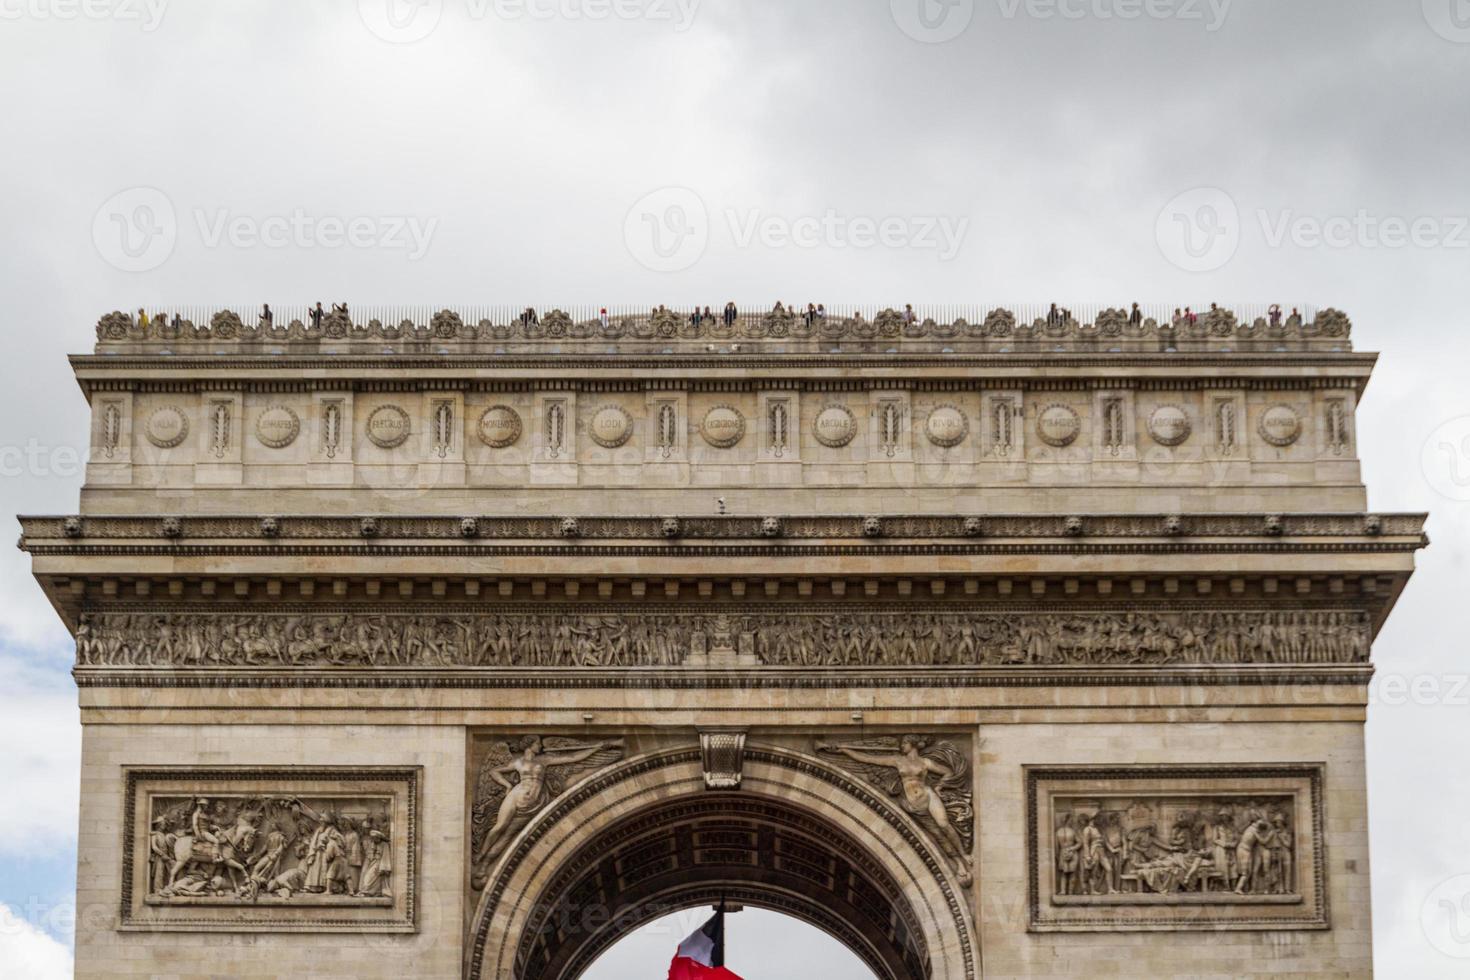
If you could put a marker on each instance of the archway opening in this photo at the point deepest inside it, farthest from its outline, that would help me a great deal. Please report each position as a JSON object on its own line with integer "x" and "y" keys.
{"x": 748, "y": 850}
{"x": 760, "y": 945}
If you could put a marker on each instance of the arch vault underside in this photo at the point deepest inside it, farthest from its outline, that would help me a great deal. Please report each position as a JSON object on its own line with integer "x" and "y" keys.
{"x": 649, "y": 837}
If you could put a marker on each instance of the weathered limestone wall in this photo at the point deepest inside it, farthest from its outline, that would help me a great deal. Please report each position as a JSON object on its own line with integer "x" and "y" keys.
{"x": 248, "y": 738}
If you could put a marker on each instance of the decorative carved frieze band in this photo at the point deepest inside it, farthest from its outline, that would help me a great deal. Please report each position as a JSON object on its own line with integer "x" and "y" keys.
{"x": 1166, "y": 847}
{"x": 539, "y": 637}
{"x": 1110, "y": 329}
{"x": 270, "y": 850}
{"x": 1099, "y": 526}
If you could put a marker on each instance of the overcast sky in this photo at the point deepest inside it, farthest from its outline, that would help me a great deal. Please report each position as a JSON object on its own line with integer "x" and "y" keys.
{"x": 1091, "y": 151}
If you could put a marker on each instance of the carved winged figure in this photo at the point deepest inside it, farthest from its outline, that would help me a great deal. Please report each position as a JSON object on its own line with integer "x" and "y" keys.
{"x": 930, "y": 781}
{"x": 516, "y": 782}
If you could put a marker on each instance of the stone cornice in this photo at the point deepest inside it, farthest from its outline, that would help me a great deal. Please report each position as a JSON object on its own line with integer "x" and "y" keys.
{"x": 328, "y": 534}
{"x": 766, "y": 677}
{"x": 825, "y": 370}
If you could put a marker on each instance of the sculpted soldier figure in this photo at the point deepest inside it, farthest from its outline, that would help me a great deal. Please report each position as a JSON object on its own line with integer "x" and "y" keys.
{"x": 1069, "y": 858}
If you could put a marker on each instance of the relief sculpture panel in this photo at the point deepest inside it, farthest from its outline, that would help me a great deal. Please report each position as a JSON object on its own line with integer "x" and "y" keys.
{"x": 1212, "y": 847}
{"x": 274, "y": 850}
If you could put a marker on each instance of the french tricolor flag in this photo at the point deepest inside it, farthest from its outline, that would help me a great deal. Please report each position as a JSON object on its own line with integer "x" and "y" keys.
{"x": 702, "y": 955}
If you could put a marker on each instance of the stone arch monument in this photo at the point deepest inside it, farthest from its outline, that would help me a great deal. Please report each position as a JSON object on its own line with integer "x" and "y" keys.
{"x": 458, "y": 645}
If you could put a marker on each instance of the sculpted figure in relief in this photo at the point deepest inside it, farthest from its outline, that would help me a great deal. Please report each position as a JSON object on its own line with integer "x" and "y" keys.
{"x": 1163, "y": 846}
{"x": 269, "y": 850}
{"x": 930, "y": 781}
{"x": 515, "y": 783}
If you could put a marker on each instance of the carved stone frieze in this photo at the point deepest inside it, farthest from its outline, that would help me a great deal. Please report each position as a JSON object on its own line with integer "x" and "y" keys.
{"x": 1173, "y": 847}
{"x": 271, "y": 850}
{"x": 837, "y": 637}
